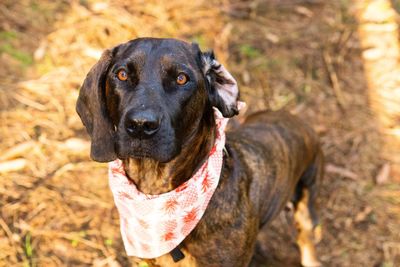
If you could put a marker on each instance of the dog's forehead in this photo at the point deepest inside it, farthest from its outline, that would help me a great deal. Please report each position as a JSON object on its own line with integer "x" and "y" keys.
{"x": 162, "y": 50}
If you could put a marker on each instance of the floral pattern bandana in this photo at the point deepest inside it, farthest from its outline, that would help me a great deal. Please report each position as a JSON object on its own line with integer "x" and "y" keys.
{"x": 153, "y": 225}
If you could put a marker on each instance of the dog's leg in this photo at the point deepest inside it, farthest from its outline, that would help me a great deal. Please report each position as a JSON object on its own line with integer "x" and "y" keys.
{"x": 306, "y": 227}
{"x": 309, "y": 230}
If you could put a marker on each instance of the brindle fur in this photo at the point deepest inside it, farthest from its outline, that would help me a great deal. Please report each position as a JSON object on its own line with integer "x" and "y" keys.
{"x": 270, "y": 159}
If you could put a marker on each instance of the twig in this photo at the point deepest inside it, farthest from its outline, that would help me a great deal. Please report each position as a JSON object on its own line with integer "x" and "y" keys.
{"x": 29, "y": 102}
{"x": 12, "y": 165}
{"x": 341, "y": 171}
{"x": 17, "y": 150}
{"x": 9, "y": 234}
{"x": 337, "y": 90}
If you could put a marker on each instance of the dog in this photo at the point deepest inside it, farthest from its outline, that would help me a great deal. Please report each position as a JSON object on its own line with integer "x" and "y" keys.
{"x": 149, "y": 102}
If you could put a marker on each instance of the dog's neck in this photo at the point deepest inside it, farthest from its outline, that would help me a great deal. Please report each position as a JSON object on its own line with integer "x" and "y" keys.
{"x": 152, "y": 177}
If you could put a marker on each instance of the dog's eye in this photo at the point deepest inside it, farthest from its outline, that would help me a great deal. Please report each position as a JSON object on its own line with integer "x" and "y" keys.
{"x": 181, "y": 79}
{"x": 122, "y": 75}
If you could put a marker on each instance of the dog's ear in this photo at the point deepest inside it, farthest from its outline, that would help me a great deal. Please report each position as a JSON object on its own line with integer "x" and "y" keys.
{"x": 91, "y": 107}
{"x": 223, "y": 88}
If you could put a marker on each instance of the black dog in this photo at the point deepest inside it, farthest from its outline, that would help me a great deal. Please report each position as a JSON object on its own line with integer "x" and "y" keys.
{"x": 149, "y": 102}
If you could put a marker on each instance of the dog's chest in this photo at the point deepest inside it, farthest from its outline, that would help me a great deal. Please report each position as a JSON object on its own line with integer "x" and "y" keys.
{"x": 167, "y": 261}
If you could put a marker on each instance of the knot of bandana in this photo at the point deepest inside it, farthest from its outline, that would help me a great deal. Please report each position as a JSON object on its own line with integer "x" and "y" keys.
{"x": 153, "y": 225}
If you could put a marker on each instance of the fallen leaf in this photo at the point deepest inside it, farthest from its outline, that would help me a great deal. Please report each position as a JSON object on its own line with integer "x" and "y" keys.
{"x": 383, "y": 175}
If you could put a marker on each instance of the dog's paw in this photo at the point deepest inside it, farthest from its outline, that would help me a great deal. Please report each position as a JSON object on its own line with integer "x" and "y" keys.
{"x": 309, "y": 256}
{"x": 309, "y": 259}
{"x": 312, "y": 264}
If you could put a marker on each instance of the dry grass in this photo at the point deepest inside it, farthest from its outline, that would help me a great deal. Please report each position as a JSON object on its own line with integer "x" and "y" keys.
{"x": 304, "y": 56}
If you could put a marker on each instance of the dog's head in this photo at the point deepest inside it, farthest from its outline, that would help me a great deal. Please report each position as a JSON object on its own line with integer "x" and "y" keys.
{"x": 144, "y": 98}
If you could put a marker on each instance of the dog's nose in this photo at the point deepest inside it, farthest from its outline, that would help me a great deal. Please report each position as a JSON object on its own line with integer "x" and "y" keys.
{"x": 142, "y": 124}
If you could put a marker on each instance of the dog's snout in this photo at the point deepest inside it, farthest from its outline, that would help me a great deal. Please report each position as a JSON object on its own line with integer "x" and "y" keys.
{"x": 142, "y": 124}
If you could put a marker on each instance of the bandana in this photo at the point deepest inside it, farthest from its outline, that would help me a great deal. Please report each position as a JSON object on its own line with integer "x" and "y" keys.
{"x": 153, "y": 225}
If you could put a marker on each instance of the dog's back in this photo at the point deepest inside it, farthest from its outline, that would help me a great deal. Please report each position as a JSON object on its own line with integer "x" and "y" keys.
{"x": 284, "y": 157}
{"x": 282, "y": 135}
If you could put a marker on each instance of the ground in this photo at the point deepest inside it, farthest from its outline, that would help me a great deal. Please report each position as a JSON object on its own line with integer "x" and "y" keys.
{"x": 300, "y": 55}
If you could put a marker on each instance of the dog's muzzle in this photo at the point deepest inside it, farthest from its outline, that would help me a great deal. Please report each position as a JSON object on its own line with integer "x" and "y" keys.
{"x": 143, "y": 124}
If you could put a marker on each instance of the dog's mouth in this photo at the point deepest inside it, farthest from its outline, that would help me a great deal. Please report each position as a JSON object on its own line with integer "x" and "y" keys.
{"x": 136, "y": 154}
{"x": 159, "y": 148}
{"x": 162, "y": 158}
